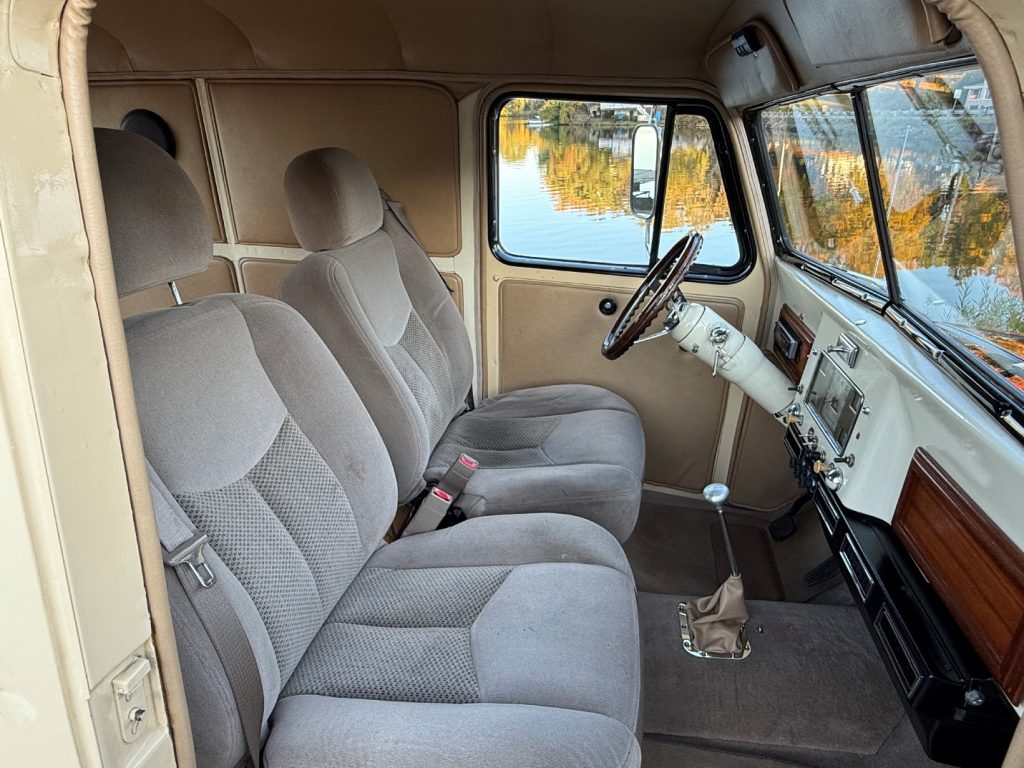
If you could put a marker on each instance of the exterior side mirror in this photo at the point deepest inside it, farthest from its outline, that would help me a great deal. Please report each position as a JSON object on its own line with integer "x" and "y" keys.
{"x": 644, "y": 175}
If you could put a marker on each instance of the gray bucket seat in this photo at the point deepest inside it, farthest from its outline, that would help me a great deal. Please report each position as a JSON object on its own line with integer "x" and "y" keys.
{"x": 503, "y": 641}
{"x": 374, "y": 297}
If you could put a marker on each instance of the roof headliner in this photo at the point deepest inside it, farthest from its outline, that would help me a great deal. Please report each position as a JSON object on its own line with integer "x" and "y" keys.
{"x": 662, "y": 39}
{"x": 474, "y": 41}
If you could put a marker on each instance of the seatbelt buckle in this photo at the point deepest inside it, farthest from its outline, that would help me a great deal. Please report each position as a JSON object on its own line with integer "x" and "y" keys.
{"x": 457, "y": 477}
{"x": 430, "y": 512}
{"x": 436, "y": 503}
{"x": 190, "y": 553}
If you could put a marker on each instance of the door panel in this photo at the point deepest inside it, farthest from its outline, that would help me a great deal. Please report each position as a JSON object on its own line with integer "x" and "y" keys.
{"x": 551, "y": 333}
{"x": 560, "y": 226}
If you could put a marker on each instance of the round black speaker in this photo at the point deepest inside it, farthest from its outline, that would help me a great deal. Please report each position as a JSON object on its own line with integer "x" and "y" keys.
{"x": 153, "y": 127}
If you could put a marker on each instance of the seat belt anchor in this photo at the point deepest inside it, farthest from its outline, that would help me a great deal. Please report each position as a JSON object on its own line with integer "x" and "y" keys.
{"x": 190, "y": 553}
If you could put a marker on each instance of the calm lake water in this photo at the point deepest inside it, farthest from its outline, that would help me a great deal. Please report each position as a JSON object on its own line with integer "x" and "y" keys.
{"x": 563, "y": 193}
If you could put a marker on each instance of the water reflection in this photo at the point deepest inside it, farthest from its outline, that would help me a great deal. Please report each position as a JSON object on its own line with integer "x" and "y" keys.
{"x": 942, "y": 182}
{"x": 564, "y": 193}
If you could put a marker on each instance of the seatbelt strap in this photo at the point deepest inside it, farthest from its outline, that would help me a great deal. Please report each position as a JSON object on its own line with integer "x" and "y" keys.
{"x": 438, "y": 503}
{"x": 398, "y": 210}
{"x": 184, "y": 552}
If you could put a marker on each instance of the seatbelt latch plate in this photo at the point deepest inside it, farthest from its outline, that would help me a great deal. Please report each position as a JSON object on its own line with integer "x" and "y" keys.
{"x": 190, "y": 553}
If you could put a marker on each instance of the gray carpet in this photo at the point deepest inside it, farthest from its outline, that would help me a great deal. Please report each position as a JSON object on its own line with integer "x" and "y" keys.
{"x": 661, "y": 754}
{"x": 813, "y": 681}
{"x": 901, "y": 750}
{"x": 677, "y": 549}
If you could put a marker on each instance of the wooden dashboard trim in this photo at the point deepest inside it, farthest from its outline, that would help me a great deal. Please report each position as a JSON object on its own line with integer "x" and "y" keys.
{"x": 795, "y": 368}
{"x": 977, "y": 571}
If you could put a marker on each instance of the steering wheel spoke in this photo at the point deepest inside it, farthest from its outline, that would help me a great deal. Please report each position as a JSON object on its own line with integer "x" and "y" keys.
{"x": 659, "y": 287}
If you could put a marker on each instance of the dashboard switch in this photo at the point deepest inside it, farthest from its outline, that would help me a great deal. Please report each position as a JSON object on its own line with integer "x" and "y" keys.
{"x": 793, "y": 415}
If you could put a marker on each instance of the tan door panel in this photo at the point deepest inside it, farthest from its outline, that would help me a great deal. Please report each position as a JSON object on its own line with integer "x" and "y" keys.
{"x": 551, "y": 333}
{"x": 177, "y": 103}
{"x": 406, "y": 132}
{"x": 219, "y": 278}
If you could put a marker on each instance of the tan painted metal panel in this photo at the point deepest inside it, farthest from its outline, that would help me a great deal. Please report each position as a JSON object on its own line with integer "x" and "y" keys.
{"x": 175, "y": 102}
{"x": 760, "y": 477}
{"x": 406, "y": 132}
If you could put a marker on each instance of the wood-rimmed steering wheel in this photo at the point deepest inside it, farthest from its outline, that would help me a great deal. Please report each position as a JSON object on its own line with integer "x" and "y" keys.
{"x": 652, "y": 296}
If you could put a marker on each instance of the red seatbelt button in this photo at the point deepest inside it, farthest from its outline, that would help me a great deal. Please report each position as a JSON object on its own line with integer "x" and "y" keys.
{"x": 468, "y": 461}
{"x": 442, "y": 495}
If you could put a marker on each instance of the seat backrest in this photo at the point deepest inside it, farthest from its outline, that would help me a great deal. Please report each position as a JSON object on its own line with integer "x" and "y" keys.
{"x": 253, "y": 431}
{"x": 372, "y": 294}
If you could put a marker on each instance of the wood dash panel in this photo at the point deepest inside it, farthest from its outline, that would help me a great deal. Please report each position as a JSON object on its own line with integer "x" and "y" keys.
{"x": 973, "y": 566}
{"x": 804, "y": 335}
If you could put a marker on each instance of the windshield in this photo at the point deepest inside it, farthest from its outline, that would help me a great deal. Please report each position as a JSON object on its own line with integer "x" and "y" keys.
{"x": 941, "y": 168}
{"x": 821, "y": 181}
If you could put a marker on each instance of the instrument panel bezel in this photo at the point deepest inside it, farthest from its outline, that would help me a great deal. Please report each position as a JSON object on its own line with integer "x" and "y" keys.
{"x": 819, "y": 419}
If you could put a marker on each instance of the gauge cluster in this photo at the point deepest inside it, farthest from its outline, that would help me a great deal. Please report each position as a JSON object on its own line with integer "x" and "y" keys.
{"x": 824, "y": 418}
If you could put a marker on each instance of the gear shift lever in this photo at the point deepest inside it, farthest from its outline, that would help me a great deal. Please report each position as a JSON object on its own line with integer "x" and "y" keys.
{"x": 715, "y": 626}
{"x": 717, "y": 494}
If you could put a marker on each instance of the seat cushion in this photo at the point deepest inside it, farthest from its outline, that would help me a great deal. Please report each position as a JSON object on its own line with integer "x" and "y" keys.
{"x": 573, "y": 448}
{"x": 487, "y": 630}
{"x": 316, "y": 732}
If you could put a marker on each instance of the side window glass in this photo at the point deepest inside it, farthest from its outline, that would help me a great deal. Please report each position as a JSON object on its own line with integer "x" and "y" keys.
{"x": 695, "y": 196}
{"x": 566, "y": 190}
{"x": 563, "y": 181}
{"x": 820, "y": 178}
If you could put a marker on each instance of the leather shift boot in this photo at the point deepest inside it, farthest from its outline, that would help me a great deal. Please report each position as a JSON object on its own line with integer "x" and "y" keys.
{"x": 716, "y": 621}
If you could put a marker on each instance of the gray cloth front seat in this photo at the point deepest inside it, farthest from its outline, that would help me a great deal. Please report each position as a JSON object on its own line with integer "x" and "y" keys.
{"x": 372, "y": 294}
{"x": 504, "y": 641}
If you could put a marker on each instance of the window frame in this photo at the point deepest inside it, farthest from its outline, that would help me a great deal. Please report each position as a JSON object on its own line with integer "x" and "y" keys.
{"x": 700, "y": 273}
{"x": 1003, "y": 401}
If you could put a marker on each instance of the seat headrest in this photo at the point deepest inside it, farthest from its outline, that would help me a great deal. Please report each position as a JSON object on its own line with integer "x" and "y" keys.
{"x": 159, "y": 231}
{"x": 333, "y": 199}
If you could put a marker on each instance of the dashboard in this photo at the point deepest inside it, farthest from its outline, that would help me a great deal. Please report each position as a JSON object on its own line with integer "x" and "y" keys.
{"x": 916, "y": 488}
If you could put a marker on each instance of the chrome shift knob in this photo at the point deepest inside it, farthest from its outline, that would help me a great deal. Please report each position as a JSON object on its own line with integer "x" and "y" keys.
{"x": 716, "y": 494}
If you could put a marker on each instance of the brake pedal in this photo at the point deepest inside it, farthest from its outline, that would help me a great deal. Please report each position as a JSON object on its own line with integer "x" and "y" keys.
{"x": 821, "y": 573}
{"x": 784, "y": 526}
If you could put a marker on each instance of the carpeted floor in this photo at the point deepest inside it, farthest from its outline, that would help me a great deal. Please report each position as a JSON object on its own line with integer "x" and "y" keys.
{"x": 666, "y": 754}
{"x": 812, "y": 694}
{"x": 901, "y": 750}
{"x": 677, "y": 549}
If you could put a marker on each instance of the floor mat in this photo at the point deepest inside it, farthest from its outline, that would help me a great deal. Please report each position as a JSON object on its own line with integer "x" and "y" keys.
{"x": 678, "y": 549}
{"x": 813, "y": 680}
{"x": 660, "y": 754}
{"x": 901, "y": 750}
